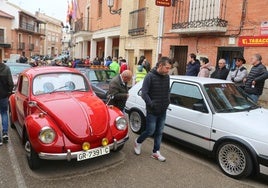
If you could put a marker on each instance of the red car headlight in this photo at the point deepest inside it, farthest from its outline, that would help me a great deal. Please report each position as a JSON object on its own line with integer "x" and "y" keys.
{"x": 121, "y": 123}
{"x": 47, "y": 135}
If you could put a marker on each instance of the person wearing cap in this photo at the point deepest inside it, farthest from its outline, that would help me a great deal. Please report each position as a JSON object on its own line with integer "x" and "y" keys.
{"x": 238, "y": 74}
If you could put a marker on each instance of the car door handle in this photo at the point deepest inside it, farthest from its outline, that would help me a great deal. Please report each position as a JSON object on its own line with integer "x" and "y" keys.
{"x": 169, "y": 109}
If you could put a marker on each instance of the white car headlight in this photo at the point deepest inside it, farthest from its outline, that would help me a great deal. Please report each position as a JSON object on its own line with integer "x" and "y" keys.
{"x": 47, "y": 135}
{"x": 121, "y": 123}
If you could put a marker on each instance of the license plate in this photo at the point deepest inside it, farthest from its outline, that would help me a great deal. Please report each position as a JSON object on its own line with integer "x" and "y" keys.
{"x": 96, "y": 152}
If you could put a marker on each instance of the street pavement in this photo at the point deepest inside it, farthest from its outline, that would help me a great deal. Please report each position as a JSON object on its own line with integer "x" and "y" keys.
{"x": 184, "y": 168}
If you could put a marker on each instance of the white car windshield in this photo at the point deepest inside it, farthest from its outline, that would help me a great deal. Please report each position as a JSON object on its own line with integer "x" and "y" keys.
{"x": 228, "y": 98}
{"x": 57, "y": 82}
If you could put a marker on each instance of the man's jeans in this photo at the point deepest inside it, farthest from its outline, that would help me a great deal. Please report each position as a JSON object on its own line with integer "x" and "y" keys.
{"x": 3, "y": 110}
{"x": 154, "y": 126}
{"x": 255, "y": 98}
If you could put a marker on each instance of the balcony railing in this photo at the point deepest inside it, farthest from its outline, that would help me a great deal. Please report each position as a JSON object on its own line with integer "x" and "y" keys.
{"x": 81, "y": 24}
{"x": 31, "y": 47}
{"x": 21, "y": 45}
{"x": 137, "y": 22}
{"x": 31, "y": 27}
{"x": 204, "y": 16}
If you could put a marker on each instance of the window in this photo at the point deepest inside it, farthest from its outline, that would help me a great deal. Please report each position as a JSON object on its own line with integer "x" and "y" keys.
{"x": 185, "y": 95}
{"x": 24, "y": 86}
{"x": 2, "y": 36}
{"x": 100, "y": 8}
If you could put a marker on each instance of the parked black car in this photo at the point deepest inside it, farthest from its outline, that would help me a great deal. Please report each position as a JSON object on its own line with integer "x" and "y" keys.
{"x": 99, "y": 77}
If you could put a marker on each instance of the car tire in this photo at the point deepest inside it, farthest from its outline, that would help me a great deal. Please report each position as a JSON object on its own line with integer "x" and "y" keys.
{"x": 32, "y": 157}
{"x": 136, "y": 121}
{"x": 234, "y": 160}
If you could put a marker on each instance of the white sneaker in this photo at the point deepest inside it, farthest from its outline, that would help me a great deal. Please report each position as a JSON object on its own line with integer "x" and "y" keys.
{"x": 158, "y": 156}
{"x": 137, "y": 147}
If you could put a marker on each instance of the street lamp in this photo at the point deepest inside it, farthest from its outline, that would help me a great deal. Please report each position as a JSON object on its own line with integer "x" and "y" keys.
{"x": 110, "y": 4}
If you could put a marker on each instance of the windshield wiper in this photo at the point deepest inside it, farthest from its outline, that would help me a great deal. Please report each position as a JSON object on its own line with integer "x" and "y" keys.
{"x": 80, "y": 89}
{"x": 227, "y": 110}
{"x": 58, "y": 88}
{"x": 252, "y": 107}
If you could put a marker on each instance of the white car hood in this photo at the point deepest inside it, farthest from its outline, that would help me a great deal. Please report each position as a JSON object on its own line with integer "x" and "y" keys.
{"x": 249, "y": 124}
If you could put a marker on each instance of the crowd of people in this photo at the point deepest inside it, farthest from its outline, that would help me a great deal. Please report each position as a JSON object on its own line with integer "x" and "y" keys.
{"x": 252, "y": 82}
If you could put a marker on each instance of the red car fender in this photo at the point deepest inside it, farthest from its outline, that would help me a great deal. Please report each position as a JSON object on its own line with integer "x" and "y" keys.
{"x": 115, "y": 113}
{"x": 33, "y": 125}
{"x": 12, "y": 108}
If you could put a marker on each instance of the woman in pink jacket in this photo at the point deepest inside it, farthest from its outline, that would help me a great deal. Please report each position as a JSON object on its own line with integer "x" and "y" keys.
{"x": 204, "y": 68}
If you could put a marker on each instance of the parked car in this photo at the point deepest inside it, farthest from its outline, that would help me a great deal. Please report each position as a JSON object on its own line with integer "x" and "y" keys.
{"x": 59, "y": 117}
{"x": 99, "y": 76}
{"x": 215, "y": 116}
{"x": 16, "y": 69}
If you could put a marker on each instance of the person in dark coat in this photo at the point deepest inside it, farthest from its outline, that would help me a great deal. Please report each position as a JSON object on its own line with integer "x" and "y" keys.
{"x": 221, "y": 71}
{"x": 6, "y": 87}
{"x": 193, "y": 66}
{"x": 155, "y": 93}
{"x": 255, "y": 80}
{"x": 118, "y": 89}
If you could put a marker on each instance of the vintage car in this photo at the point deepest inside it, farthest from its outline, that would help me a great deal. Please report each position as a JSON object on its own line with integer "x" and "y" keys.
{"x": 59, "y": 117}
{"x": 214, "y": 116}
{"x": 99, "y": 77}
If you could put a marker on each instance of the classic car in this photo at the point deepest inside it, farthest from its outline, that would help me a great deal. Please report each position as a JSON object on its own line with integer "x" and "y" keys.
{"x": 215, "y": 116}
{"x": 99, "y": 77}
{"x": 59, "y": 117}
{"x": 16, "y": 69}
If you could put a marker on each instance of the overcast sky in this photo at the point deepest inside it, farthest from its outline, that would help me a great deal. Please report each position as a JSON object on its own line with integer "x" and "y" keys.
{"x": 53, "y": 8}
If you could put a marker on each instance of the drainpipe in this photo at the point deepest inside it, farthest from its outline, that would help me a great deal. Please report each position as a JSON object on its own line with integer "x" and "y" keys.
{"x": 160, "y": 33}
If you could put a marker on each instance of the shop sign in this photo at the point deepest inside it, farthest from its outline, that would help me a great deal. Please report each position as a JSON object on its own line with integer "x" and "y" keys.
{"x": 253, "y": 41}
{"x": 165, "y": 3}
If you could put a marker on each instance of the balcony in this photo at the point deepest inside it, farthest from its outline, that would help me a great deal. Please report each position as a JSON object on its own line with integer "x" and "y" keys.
{"x": 196, "y": 17}
{"x": 82, "y": 28}
{"x": 137, "y": 22}
{"x": 31, "y": 47}
{"x": 21, "y": 45}
{"x": 2, "y": 42}
{"x": 31, "y": 28}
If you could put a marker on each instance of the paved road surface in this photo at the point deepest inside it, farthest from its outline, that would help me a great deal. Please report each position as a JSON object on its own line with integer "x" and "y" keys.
{"x": 183, "y": 168}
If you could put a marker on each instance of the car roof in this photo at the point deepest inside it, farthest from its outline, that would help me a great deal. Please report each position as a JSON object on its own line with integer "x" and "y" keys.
{"x": 200, "y": 80}
{"x": 49, "y": 69}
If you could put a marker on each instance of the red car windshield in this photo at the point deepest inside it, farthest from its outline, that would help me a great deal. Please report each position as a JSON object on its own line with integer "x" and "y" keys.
{"x": 55, "y": 82}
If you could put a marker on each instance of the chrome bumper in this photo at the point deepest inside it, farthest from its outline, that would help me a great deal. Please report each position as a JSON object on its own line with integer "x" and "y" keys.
{"x": 72, "y": 155}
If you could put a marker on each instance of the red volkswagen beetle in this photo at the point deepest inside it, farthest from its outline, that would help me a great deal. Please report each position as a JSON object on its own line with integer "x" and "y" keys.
{"x": 59, "y": 117}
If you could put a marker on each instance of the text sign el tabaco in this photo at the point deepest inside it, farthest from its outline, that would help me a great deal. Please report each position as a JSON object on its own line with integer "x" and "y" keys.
{"x": 253, "y": 41}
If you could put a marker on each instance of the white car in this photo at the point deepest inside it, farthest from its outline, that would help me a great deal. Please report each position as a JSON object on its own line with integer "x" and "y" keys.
{"x": 215, "y": 116}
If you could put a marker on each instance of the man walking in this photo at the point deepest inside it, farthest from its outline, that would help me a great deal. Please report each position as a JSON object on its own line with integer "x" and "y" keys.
{"x": 155, "y": 93}
{"x": 254, "y": 82}
{"x": 6, "y": 86}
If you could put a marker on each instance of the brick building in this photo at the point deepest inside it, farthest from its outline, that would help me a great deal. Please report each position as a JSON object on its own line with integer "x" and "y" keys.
{"x": 216, "y": 29}
{"x": 95, "y": 32}
{"x": 5, "y": 34}
{"x": 26, "y": 32}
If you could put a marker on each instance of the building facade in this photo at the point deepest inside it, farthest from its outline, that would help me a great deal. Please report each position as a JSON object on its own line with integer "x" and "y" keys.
{"x": 140, "y": 32}
{"x": 26, "y": 32}
{"x": 5, "y": 34}
{"x": 52, "y": 42}
{"x": 215, "y": 29}
{"x": 94, "y": 32}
